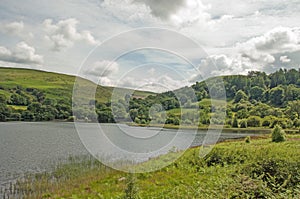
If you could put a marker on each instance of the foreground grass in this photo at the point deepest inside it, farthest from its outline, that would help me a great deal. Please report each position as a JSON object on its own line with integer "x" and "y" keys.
{"x": 233, "y": 169}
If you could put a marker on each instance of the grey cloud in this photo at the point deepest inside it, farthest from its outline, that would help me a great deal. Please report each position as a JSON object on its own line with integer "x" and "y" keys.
{"x": 103, "y": 68}
{"x": 163, "y": 8}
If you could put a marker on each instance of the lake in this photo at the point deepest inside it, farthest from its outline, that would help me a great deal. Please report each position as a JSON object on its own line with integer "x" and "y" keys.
{"x": 35, "y": 147}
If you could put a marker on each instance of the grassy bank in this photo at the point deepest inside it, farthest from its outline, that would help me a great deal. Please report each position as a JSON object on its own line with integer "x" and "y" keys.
{"x": 234, "y": 169}
{"x": 225, "y": 129}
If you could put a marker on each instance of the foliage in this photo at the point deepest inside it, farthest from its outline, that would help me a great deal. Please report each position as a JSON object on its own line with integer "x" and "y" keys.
{"x": 278, "y": 135}
{"x": 247, "y": 139}
{"x": 240, "y": 95}
{"x": 254, "y": 121}
{"x": 131, "y": 190}
{"x": 260, "y": 99}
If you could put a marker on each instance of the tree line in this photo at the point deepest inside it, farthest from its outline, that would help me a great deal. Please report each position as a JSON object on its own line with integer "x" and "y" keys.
{"x": 254, "y": 100}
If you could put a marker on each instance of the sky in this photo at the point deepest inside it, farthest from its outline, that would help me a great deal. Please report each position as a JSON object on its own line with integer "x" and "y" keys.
{"x": 154, "y": 45}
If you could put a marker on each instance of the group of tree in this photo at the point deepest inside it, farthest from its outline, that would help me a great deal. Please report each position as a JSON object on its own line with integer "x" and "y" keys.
{"x": 254, "y": 100}
{"x": 32, "y": 105}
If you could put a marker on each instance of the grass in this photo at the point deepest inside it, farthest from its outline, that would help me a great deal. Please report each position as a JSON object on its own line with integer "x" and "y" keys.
{"x": 22, "y": 108}
{"x": 54, "y": 85}
{"x": 234, "y": 169}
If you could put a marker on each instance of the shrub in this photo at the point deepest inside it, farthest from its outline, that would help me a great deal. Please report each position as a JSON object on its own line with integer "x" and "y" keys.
{"x": 235, "y": 123}
{"x": 278, "y": 135}
{"x": 247, "y": 139}
{"x": 254, "y": 121}
{"x": 296, "y": 122}
{"x": 243, "y": 124}
{"x": 267, "y": 121}
{"x": 131, "y": 190}
{"x": 2, "y": 118}
{"x": 16, "y": 116}
{"x": 283, "y": 122}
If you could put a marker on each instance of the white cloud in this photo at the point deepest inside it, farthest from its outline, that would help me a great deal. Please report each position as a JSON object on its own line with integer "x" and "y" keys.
{"x": 12, "y": 28}
{"x": 64, "y": 33}
{"x": 22, "y": 53}
{"x": 261, "y": 49}
{"x": 222, "y": 65}
{"x": 284, "y": 59}
{"x": 157, "y": 84}
{"x": 16, "y": 29}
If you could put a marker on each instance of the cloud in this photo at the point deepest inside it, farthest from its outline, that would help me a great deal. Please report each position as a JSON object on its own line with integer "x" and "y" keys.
{"x": 261, "y": 49}
{"x": 163, "y": 8}
{"x": 103, "y": 68}
{"x": 22, "y": 53}
{"x": 284, "y": 59}
{"x": 158, "y": 84}
{"x": 179, "y": 12}
{"x": 12, "y": 28}
{"x": 221, "y": 64}
{"x": 64, "y": 33}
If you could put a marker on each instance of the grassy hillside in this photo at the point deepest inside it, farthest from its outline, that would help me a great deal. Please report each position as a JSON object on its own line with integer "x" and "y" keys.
{"x": 54, "y": 85}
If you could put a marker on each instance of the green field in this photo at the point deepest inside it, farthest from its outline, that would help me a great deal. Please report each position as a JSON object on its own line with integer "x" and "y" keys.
{"x": 234, "y": 169}
{"x": 55, "y": 86}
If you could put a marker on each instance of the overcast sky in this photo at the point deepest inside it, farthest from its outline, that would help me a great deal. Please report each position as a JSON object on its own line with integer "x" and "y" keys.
{"x": 237, "y": 37}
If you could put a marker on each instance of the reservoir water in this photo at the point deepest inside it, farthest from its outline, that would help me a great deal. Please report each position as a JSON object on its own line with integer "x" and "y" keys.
{"x": 35, "y": 147}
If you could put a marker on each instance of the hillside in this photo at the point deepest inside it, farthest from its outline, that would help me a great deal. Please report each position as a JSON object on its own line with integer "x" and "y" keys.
{"x": 22, "y": 87}
{"x": 254, "y": 100}
{"x": 54, "y": 85}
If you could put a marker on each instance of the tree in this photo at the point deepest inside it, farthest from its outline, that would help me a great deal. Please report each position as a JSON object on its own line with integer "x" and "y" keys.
{"x": 243, "y": 124}
{"x": 257, "y": 93}
{"x": 254, "y": 121}
{"x": 2, "y": 117}
{"x": 3, "y": 99}
{"x": 277, "y": 96}
{"x": 240, "y": 95}
{"x": 27, "y": 116}
{"x": 278, "y": 135}
{"x": 235, "y": 123}
{"x": 17, "y": 99}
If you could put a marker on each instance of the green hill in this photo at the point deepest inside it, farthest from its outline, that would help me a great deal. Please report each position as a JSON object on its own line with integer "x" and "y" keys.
{"x": 46, "y": 95}
{"x": 53, "y": 85}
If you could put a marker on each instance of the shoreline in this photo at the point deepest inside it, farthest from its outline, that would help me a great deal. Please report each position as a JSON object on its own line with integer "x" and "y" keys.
{"x": 260, "y": 130}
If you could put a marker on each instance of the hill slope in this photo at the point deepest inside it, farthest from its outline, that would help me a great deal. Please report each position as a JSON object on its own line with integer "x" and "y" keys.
{"x": 53, "y": 85}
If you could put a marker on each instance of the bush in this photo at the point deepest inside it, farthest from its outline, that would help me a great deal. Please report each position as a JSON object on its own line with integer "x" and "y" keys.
{"x": 235, "y": 123}
{"x": 243, "y": 124}
{"x": 2, "y": 118}
{"x": 267, "y": 121}
{"x": 254, "y": 121}
{"x": 283, "y": 122}
{"x": 15, "y": 116}
{"x": 247, "y": 139}
{"x": 278, "y": 135}
{"x": 296, "y": 122}
{"x": 131, "y": 190}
